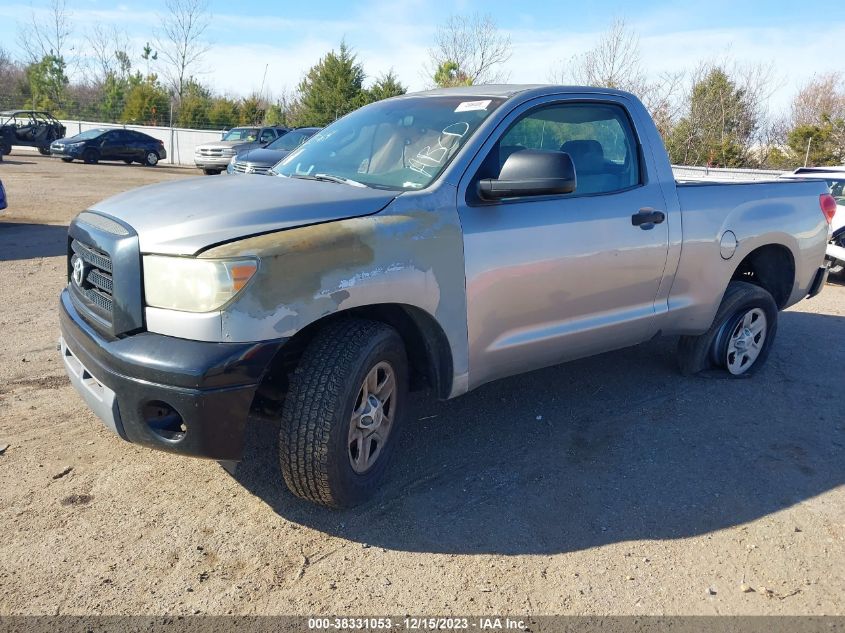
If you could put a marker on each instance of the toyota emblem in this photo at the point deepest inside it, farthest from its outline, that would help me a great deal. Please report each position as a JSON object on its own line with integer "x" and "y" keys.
{"x": 78, "y": 271}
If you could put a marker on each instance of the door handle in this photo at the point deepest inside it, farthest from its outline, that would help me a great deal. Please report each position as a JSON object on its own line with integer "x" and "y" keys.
{"x": 647, "y": 217}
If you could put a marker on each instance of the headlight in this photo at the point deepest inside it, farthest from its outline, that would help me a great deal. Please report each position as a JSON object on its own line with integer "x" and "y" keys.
{"x": 194, "y": 285}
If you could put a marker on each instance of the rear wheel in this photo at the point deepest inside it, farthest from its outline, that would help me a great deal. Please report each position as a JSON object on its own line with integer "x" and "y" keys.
{"x": 151, "y": 159}
{"x": 5, "y": 149}
{"x": 741, "y": 336}
{"x": 44, "y": 151}
{"x": 211, "y": 172}
{"x": 90, "y": 157}
{"x": 342, "y": 413}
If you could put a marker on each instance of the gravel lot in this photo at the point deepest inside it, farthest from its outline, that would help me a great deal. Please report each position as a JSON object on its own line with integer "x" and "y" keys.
{"x": 610, "y": 485}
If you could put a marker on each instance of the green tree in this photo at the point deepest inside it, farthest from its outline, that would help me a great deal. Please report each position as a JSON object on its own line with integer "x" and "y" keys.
{"x": 223, "y": 113}
{"x": 47, "y": 83}
{"x": 449, "y": 75}
{"x": 333, "y": 87}
{"x": 251, "y": 110}
{"x": 147, "y": 102}
{"x": 113, "y": 91}
{"x": 820, "y": 140}
{"x": 195, "y": 106}
{"x": 385, "y": 87}
{"x": 719, "y": 126}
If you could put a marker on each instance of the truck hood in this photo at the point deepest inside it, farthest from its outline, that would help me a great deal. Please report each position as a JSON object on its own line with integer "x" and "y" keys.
{"x": 262, "y": 156}
{"x": 187, "y": 216}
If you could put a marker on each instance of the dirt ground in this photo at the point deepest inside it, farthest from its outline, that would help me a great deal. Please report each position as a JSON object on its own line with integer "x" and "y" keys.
{"x": 611, "y": 485}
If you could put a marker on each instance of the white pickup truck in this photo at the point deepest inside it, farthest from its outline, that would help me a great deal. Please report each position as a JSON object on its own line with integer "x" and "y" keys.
{"x": 443, "y": 239}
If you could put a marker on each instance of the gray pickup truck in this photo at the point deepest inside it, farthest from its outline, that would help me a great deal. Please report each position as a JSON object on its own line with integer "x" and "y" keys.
{"x": 436, "y": 240}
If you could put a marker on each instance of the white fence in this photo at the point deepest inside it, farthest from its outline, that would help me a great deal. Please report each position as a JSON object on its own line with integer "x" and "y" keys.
{"x": 179, "y": 142}
{"x": 683, "y": 172}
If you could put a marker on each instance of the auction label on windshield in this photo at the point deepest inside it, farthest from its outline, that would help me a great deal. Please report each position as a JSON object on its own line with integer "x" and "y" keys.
{"x": 469, "y": 106}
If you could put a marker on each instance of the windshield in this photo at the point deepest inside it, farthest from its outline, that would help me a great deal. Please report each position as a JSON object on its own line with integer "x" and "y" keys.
{"x": 291, "y": 140}
{"x": 241, "y": 134}
{"x": 87, "y": 135}
{"x": 400, "y": 144}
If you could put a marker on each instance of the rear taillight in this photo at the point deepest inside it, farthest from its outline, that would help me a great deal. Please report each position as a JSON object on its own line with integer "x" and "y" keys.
{"x": 828, "y": 204}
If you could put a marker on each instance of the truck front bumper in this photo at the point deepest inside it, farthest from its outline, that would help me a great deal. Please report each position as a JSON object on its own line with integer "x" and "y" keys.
{"x": 212, "y": 162}
{"x": 171, "y": 394}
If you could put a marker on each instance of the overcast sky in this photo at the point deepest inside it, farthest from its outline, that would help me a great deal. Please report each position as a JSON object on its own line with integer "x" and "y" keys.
{"x": 802, "y": 39}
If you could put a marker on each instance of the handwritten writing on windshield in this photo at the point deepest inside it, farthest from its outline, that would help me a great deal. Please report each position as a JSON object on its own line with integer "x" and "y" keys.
{"x": 429, "y": 159}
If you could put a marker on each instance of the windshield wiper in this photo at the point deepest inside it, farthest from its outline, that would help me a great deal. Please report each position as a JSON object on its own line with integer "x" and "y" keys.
{"x": 330, "y": 178}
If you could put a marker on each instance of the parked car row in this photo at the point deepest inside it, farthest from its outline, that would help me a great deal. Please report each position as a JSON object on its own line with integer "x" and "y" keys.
{"x": 260, "y": 160}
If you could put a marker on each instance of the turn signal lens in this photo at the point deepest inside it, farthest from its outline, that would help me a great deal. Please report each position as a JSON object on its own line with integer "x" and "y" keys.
{"x": 828, "y": 204}
{"x": 241, "y": 274}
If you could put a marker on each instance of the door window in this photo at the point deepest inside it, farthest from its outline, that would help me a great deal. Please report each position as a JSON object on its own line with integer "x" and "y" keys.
{"x": 266, "y": 136}
{"x": 597, "y": 136}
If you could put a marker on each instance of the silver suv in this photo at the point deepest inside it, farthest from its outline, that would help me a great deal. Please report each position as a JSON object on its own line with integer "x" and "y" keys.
{"x": 213, "y": 158}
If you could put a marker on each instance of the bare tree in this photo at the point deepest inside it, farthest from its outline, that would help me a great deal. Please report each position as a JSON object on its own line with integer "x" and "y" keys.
{"x": 615, "y": 62}
{"x": 180, "y": 41}
{"x": 109, "y": 47}
{"x": 474, "y": 45}
{"x": 821, "y": 97}
{"x": 47, "y": 33}
{"x": 11, "y": 77}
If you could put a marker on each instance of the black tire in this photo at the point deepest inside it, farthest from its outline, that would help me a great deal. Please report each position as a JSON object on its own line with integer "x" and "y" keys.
{"x": 44, "y": 151}
{"x": 211, "y": 172}
{"x": 151, "y": 159}
{"x": 315, "y": 449}
{"x": 711, "y": 349}
{"x": 127, "y": 161}
{"x": 90, "y": 157}
{"x": 67, "y": 160}
{"x": 5, "y": 149}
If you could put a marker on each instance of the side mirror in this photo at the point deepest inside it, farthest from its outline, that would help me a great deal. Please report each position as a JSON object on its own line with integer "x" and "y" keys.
{"x": 531, "y": 172}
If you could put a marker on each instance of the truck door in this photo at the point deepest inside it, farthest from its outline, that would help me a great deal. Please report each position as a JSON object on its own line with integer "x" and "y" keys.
{"x": 554, "y": 278}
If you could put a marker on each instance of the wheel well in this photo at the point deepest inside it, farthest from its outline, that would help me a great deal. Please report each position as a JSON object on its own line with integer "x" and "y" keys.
{"x": 429, "y": 354}
{"x": 771, "y": 267}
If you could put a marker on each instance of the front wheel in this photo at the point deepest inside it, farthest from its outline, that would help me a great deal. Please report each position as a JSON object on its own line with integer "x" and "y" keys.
{"x": 67, "y": 160}
{"x": 211, "y": 172}
{"x": 44, "y": 151}
{"x": 741, "y": 336}
{"x": 342, "y": 413}
{"x": 90, "y": 157}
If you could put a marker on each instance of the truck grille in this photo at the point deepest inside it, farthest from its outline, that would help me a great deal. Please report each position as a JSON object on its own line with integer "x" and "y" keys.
{"x": 243, "y": 167}
{"x": 214, "y": 152}
{"x": 95, "y": 284}
{"x": 104, "y": 273}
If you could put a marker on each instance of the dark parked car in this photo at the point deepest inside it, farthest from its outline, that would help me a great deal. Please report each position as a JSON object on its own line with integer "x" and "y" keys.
{"x": 260, "y": 160}
{"x": 2, "y": 196}
{"x": 99, "y": 144}
{"x": 31, "y": 128}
